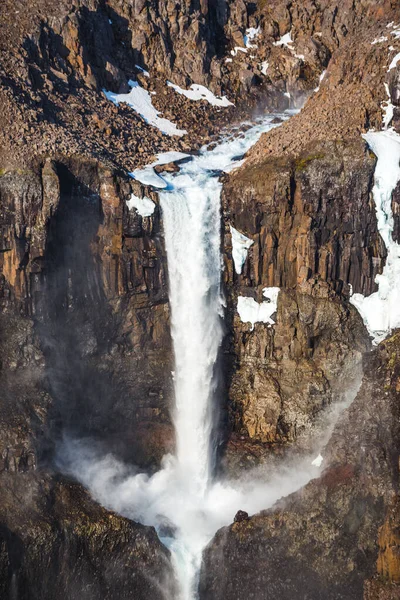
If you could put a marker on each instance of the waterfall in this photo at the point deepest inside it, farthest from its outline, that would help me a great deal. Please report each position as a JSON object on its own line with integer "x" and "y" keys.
{"x": 182, "y": 500}
{"x": 191, "y": 217}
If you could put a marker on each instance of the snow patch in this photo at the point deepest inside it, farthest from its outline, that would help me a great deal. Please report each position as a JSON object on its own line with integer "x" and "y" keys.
{"x": 238, "y": 49}
{"x": 144, "y": 206}
{"x": 387, "y": 108}
{"x": 381, "y": 310}
{"x": 379, "y": 40}
{"x": 317, "y": 462}
{"x": 145, "y": 73}
{"x": 396, "y": 32}
{"x": 264, "y": 67}
{"x": 148, "y": 176}
{"x": 253, "y": 312}
{"x": 394, "y": 62}
{"x": 240, "y": 246}
{"x": 200, "y": 92}
{"x": 251, "y": 34}
{"x": 140, "y": 100}
{"x": 321, "y": 77}
{"x": 285, "y": 40}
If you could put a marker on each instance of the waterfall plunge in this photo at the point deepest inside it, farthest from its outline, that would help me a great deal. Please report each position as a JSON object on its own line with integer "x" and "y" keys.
{"x": 181, "y": 500}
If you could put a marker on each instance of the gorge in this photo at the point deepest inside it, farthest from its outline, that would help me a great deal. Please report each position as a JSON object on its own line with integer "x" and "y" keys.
{"x": 199, "y": 300}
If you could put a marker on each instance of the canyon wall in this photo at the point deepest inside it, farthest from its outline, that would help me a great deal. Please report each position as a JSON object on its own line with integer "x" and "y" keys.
{"x": 85, "y": 341}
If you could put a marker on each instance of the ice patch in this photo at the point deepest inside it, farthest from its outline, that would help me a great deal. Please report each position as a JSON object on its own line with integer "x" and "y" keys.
{"x": 228, "y": 60}
{"x": 253, "y": 312}
{"x": 200, "y": 92}
{"x": 140, "y": 100}
{"x": 317, "y": 462}
{"x": 381, "y": 310}
{"x": 144, "y": 206}
{"x": 240, "y": 246}
{"x": 264, "y": 67}
{"x": 394, "y": 62}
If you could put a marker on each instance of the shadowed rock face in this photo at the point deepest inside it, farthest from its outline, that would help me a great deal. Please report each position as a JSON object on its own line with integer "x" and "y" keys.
{"x": 92, "y": 276}
{"x": 82, "y": 290}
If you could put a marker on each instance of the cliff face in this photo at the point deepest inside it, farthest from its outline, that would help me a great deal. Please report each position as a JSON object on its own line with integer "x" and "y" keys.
{"x": 314, "y": 233}
{"x": 91, "y": 275}
{"x": 83, "y": 292}
{"x": 321, "y": 542}
{"x": 85, "y": 337}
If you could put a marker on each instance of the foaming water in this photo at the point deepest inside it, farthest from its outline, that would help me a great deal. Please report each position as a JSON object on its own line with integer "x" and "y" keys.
{"x": 182, "y": 500}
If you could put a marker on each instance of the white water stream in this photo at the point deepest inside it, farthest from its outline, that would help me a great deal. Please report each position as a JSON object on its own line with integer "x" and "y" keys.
{"x": 182, "y": 500}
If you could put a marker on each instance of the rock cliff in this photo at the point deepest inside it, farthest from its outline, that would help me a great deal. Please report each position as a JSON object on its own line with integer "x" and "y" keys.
{"x": 85, "y": 321}
{"x": 322, "y": 541}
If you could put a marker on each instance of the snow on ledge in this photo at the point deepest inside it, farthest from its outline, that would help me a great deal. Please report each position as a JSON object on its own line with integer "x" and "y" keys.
{"x": 240, "y": 246}
{"x": 144, "y": 206}
{"x": 381, "y": 310}
{"x": 140, "y": 100}
{"x": 251, "y": 34}
{"x": 253, "y": 312}
{"x": 147, "y": 174}
{"x": 394, "y": 62}
{"x": 285, "y": 40}
{"x": 387, "y": 108}
{"x": 200, "y": 92}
